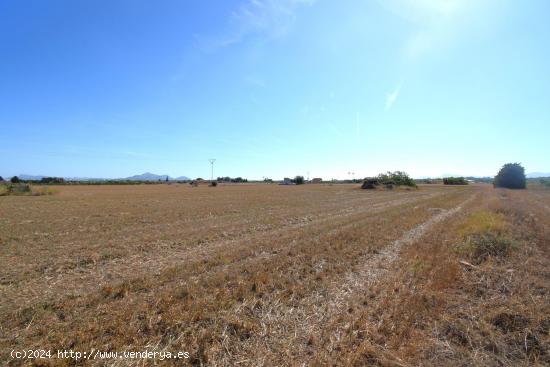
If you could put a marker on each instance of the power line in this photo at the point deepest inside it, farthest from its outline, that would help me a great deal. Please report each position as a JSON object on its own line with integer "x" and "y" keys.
{"x": 212, "y": 160}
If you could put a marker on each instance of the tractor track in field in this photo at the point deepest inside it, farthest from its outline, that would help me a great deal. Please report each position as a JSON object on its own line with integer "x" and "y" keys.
{"x": 308, "y": 320}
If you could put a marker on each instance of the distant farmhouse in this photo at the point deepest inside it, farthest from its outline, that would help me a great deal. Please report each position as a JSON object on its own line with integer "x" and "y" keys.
{"x": 316, "y": 180}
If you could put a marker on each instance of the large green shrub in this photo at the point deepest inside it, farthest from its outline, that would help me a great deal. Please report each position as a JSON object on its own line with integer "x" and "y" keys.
{"x": 455, "y": 181}
{"x": 389, "y": 179}
{"x": 398, "y": 178}
{"x": 511, "y": 176}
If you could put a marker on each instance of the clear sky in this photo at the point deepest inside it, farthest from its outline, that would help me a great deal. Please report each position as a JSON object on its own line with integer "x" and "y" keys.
{"x": 275, "y": 88}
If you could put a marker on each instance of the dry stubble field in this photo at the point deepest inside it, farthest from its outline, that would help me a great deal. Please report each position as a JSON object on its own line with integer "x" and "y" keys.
{"x": 267, "y": 275}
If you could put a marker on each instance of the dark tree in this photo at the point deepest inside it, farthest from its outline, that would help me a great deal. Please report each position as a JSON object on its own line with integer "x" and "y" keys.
{"x": 1, "y": 178}
{"x": 299, "y": 180}
{"x": 511, "y": 176}
{"x": 15, "y": 179}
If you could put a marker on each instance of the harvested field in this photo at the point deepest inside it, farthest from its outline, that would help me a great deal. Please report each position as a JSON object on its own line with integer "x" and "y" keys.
{"x": 264, "y": 275}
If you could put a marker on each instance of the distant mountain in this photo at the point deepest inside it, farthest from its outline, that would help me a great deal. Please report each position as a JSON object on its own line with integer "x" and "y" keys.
{"x": 537, "y": 174}
{"x": 84, "y": 179}
{"x": 148, "y": 176}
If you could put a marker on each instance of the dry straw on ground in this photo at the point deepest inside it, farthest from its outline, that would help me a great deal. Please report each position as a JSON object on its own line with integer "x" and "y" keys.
{"x": 268, "y": 275}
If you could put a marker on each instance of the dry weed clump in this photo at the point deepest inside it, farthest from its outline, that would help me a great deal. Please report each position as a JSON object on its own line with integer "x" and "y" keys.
{"x": 485, "y": 234}
{"x": 43, "y": 190}
{"x": 480, "y": 246}
{"x": 15, "y": 189}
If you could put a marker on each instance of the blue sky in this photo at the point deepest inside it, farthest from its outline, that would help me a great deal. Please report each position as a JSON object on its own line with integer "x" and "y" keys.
{"x": 110, "y": 88}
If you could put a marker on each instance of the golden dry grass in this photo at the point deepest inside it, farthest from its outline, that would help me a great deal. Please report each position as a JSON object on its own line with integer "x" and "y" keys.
{"x": 272, "y": 275}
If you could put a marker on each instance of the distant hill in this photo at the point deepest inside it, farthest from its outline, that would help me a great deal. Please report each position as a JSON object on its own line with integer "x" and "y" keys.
{"x": 148, "y": 176}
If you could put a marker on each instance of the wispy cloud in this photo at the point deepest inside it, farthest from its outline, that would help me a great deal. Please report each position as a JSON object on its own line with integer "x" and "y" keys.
{"x": 269, "y": 19}
{"x": 392, "y": 97}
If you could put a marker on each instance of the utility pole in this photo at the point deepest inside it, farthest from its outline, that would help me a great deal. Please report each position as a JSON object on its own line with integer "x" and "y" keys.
{"x": 212, "y": 160}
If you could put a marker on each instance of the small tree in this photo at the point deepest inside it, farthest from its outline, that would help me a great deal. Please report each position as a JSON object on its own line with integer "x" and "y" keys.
{"x": 299, "y": 180}
{"x": 511, "y": 176}
{"x": 15, "y": 179}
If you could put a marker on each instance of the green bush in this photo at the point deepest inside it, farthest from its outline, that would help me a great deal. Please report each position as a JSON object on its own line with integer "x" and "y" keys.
{"x": 389, "y": 180}
{"x": 397, "y": 178}
{"x": 455, "y": 181}
{"x": 15, "y": 179}
{"x": 511, "y": 176}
